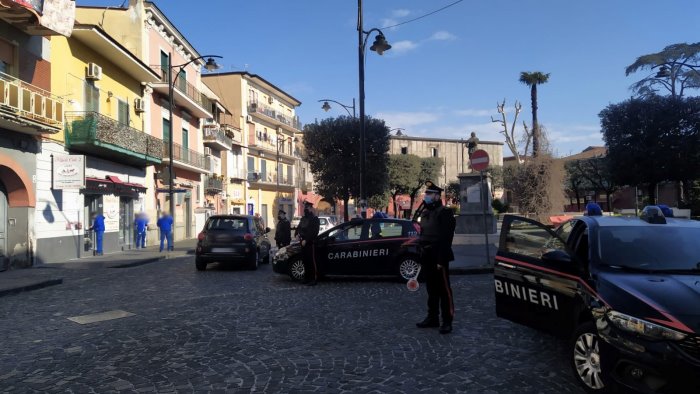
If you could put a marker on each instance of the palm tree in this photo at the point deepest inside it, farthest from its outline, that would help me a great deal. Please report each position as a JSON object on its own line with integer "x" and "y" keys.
{"x": 532, "y": 79}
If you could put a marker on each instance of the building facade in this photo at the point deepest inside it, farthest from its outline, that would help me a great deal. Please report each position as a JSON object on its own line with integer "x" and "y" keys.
{"x": 269, "y": 126}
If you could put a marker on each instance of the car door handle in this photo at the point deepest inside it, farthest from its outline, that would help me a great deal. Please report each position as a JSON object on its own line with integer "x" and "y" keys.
{"x": 502, "y": 264}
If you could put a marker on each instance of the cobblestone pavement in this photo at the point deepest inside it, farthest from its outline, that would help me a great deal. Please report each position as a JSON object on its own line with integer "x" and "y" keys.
{"x": 228, "y": 330}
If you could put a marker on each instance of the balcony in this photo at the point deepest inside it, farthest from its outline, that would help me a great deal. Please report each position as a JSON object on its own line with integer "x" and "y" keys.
{"x": 267, "y": 142}
{"x": 270, "y": 178}
{"x": 213, "y": 185}
{"x": 38, "y": 17}
{"x": 187, "y": 159}
{"x": 98, "y": 135}
{"x": 270, "y": 114}
{"x": 237, "y": 174}
{"x": 26, "y": 108}
{"x": 215, "y": 138}
{"x": 185, "y": 95}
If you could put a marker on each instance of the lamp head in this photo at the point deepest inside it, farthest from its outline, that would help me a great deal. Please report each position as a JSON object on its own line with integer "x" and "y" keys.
{"x": 212, "y": 65}
{"x": 326, "y": 107}
{"x": 380, "y": 44}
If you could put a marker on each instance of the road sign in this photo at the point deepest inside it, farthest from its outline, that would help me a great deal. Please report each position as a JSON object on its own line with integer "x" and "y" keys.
{"x": 479, "y": 160}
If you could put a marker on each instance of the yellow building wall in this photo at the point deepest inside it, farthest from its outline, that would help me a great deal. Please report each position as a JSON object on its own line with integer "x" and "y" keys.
{"x": 69, "y": 60}
{"x": 125, "y": 26}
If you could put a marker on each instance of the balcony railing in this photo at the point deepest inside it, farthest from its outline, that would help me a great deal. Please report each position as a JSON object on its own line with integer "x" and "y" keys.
{"x": 212, "y": 184}
{"x": 97, "y": 134}
{"x": 260, "y": 108}
{"x": 237, "y": 173}
{"x": 185, "y": 156}
{"x": 216, "y": 136}
{"x": 188, "y": 90}
{"x": 43, "y": 109}
{"x": 266, "y": 141}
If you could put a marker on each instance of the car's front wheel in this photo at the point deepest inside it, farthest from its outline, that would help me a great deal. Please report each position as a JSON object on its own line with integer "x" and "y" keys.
{"x": 587, "y": 360}
{"x": 296, "y": 269}
{"x": 408, "y": 267}
{"x": 201, "y": 265}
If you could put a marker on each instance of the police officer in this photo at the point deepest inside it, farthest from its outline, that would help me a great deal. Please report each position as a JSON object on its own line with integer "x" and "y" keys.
{"x": 307, "y": 231}
{"x": 437, "y": 230}
{"x": 283, "y": 233}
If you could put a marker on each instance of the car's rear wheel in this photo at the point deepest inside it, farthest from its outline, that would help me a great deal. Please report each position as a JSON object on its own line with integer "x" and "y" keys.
{"x": 296, "y": 270}
{"x": 254, "y": 262}
{"x": 408, "y": 267}
{"x": 201, "y": 265}
{"x": 587, "y": 360}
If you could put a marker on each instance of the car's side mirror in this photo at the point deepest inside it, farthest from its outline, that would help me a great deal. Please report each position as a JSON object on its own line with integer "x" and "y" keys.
{"x": 556, "y": 256}
{"x": 267, "y": 230}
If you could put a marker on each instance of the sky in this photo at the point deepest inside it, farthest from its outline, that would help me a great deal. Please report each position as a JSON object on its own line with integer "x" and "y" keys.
{"x": 446, "y": 72}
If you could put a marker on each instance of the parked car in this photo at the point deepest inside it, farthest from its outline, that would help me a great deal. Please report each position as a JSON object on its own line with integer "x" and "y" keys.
{"x": 358, "y": 247}
{"x": 624, "y": 290}
{"x": 233, "y": 238}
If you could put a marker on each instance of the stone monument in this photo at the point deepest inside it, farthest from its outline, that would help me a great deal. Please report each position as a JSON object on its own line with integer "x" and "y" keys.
{"x": 471, "y": 213}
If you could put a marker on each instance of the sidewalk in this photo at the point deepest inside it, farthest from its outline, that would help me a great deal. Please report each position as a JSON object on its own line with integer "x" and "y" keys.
{"x": 49, "y": 274}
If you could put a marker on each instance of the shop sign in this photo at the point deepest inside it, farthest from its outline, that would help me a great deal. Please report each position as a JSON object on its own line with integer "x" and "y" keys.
{"x": 110, "y": 210}
{"x": 68, "y": 172}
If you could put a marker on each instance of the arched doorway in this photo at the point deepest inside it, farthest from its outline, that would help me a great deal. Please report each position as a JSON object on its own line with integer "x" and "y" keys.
{"x": 3, "y": 228}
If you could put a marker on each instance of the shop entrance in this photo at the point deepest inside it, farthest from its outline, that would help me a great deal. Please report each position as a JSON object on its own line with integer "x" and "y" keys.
{"x": 126, "y": 219}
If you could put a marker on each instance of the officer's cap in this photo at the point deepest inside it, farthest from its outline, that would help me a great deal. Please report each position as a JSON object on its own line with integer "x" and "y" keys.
{"x": 430, "y": 187}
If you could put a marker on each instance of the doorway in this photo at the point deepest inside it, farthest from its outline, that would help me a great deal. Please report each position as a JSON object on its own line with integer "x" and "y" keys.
{"x": 188, "y": 217}
{"x": 92, "y": 206}
{"x": 3, "y": 229}
{"x": 126, "y": 213}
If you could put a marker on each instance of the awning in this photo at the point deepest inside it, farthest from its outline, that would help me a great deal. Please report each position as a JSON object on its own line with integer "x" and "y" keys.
{"x": 112, "y": 185}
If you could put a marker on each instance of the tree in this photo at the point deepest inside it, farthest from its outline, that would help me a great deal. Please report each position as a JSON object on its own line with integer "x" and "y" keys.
{"x": 653, "y": 139}
{"x": 429, "y": 170}
{"x": 379, "y": 202}
{"x": 530, "y": 183}
{"x": 403, "y": 171}
{"x": 452, "y": 193}
{"x": 511, "y": 138}
{"x": 532, "y": 79}
{"x": 495, "y": 173}
{"x": 332, "y": 149}
{"x": 680, "y": 63}
{"x": 575, "y": 182}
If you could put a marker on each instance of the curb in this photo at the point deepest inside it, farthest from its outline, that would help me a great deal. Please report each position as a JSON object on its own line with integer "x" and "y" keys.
{"x": 138, "y": 262}
{"x": 471, "y": 271}
{"x": 34, "y": 286}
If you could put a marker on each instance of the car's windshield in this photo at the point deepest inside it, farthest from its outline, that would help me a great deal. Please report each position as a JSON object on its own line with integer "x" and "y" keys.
{"x": 233, "y": 224}
{"x": 656, "y": 247}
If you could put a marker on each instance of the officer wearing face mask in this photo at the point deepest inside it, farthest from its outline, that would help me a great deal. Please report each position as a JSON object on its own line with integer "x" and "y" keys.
{"x": 283, "y": 233}
{"x": 307, "y": 231}
{"x": 437, "y": 230}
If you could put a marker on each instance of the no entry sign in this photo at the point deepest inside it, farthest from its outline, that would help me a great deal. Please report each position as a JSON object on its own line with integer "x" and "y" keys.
{"x": 479, "y": 160}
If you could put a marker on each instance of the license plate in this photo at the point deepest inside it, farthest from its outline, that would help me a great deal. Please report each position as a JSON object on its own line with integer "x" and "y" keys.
{"x": 223, "y": 250}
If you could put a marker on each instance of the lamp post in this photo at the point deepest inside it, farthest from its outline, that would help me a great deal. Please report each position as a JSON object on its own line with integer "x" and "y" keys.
{"x": 210, "y": 65}
{"x": 380, "y": 45}
{"x": 326, "y": 107}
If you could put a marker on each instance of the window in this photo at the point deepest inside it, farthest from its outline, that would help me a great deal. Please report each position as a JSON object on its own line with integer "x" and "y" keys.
{"x": 185, "y": 144}
{"x": 7, "y": 57}
{"x": 234, "y": 224}
{"x": 182, "y": 81}
{"x": 164, "y": 61}
{"x": 433, "y": 152}
{"x": 347, "y": 233}
{"x": 251, "y": 164}
{"x": 530, "y": 239}
{"x": 263, "y": 169}
{"x": 290, "y": 173}
{"x": 92, "y": 97}
{"x": 166, "y": 130}
{"x": 123, "y": 112}
{"x": 404, "y": 150}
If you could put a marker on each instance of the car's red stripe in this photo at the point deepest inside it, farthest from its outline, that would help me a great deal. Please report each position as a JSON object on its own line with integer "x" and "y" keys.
{"x": 671, "y": 322}
{"x": 379, "y": 240}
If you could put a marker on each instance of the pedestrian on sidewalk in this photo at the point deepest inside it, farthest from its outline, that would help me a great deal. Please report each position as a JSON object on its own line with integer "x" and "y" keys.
{"x": 283, "y": 233}
{"x": 98, "y": 226}
{"x": 309, "y": 225}
{"x": 435, "y": 241}
{"x": 165, "y": 224}
{"x": 141, "y": 224}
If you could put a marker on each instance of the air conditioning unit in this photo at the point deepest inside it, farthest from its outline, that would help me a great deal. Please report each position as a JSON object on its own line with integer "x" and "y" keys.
{"x": 207, "y": 151}
{"x": 139, "y": 105}
{"x": 249, "y": 119}
{"x": 270, "y": 100}
{"x": 93, "y": 72}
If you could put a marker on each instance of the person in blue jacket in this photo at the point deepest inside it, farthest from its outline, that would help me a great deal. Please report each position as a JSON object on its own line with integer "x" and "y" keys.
{"x": 98, "y": 226}
{"x": 165, "y": 224}
{"x": 141, "y": 224}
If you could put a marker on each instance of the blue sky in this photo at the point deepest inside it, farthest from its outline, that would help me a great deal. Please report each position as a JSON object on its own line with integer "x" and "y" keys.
{"x": 446, "y": 72}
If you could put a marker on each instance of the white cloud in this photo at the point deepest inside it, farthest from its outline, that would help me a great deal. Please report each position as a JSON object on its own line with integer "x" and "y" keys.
{"x": 386, "y": 22}
{"x": 407, "y": 119}
{"x": 401, "y": 13}
{"x": 401, "y": 47}
{"x": 442, "y": 36}
{"x": 472, "y": 112}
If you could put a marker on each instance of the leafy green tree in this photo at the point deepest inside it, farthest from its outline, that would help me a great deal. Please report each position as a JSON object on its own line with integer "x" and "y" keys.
{"x": 652, "y": 140}
{"x": 452, "y": 193}
{"x": 532, "y": 79}
{"x": 379, "y": 202}
{"x": 429, "y": 171}
{"x": 575, "y": 182}
{"x": 332, "y": 149}
{"x": 403, "y": 171}
{"x": 681, "y": 63}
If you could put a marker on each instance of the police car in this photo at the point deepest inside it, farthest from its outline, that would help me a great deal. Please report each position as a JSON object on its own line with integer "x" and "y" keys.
{"x": 378, "y": 246}
{"x": 625, "y": 290}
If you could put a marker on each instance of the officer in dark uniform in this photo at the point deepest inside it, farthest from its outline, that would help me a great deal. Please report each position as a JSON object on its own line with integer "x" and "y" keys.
{"x": 283, "y": 234}
{"x": 307, "y": 231}
{"x": 437, "y": 230}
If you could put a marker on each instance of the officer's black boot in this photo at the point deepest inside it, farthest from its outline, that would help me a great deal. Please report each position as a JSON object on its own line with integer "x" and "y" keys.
{"x": 429, "y": 322}
{"x": 446, "y": 327}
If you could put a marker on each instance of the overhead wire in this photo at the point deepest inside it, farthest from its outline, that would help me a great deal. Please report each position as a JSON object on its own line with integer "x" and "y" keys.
{"x": 423, "y": 16}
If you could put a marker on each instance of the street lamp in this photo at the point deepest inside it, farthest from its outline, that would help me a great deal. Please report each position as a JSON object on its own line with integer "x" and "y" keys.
{"x": 326, "y": 107}
{"x": 380, "y": 45}
{"x": 210, "y": 66}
